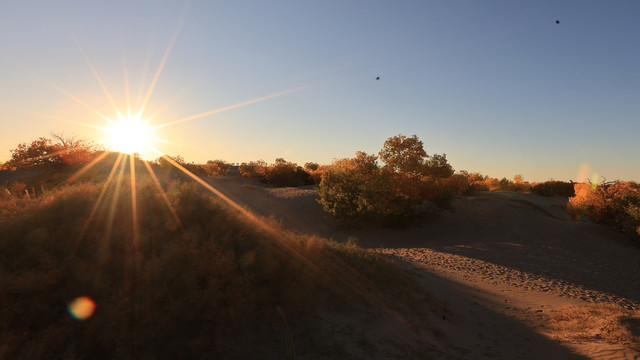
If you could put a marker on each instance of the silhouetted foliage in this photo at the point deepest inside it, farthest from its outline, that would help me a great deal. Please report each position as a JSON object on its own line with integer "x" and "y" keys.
{"x": 283, "y": 173}
{"x": 46, "y": 153}
{"x": 311, "y": 167}
{"x": 554, "y": 188}
{"x": 437, "y": 166}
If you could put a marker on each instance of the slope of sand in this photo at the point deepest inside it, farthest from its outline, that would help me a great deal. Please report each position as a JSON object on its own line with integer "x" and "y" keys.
{"x": 503, "y": 262}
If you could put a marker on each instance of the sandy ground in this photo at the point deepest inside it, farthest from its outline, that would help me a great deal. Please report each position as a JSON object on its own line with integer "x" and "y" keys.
{"x": 503, "y": 262}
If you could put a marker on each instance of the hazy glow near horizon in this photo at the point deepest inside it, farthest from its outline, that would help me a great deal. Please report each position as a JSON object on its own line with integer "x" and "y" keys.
{"x": 500, "y": 87}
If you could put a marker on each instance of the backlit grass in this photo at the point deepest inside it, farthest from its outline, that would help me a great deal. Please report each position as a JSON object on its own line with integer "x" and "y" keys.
{"x": 178, "y": 275}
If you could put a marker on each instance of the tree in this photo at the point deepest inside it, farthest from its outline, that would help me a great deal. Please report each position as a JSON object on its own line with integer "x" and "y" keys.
{"x": 518, "y": 179}
{"x": 217, "y": 167}
{"x": 164, "y": 163}
{"x": 437, "y": 166}
{"x": 403, "y": 154}
{"x": 253, "y": 169}
{"x": 357, "y": 187}
{"x": 49, "y": 153}
{"x": 311, "y": 166}
{"x": 472, "y": 178}
{"x": 284, "y": 173}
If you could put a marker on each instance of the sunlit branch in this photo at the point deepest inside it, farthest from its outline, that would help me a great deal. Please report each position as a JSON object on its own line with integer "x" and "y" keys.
{"x": 230, "y": 107}
{"x": 161, "y": 66}
{"x": 59, "y": 152}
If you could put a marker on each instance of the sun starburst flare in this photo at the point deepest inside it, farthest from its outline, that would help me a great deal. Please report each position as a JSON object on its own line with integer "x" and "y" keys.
{"x": 130, "y": 134}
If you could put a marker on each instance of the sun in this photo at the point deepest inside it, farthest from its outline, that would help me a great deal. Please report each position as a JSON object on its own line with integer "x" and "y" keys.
{"x": 130, "y": 134}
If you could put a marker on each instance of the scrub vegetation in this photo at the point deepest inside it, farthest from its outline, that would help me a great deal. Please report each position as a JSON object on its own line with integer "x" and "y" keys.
{"x": 175, "y": 272}
{"x": 616, "y": 204}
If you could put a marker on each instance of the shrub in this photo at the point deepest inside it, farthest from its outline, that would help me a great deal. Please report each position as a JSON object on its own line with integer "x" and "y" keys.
{"x": 217, "y": 167}
{"x": 311, "y": 167}
{"x": 316, "y": 175}
{"x": 283, "y": 173}
{"x": 198, "y": 280}
{"x": 346, "y": 183}
{"x": 555, "y": 188}
{"x": 357, "y": 188}
{"x": 616, "y": 204}
{"x": 253, "y": 169}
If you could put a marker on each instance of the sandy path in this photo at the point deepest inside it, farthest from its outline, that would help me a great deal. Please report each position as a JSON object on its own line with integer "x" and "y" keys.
{"x": 496, "y": 317}
{"x": 502, "y": 261}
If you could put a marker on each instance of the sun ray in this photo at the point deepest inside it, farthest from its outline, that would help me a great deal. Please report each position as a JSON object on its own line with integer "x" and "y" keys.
{"x": 163, "y": 194}
{"x": 71, "y": 96}
{"x": 59, "y": 152}
{"x": 248, "y": 215}
{"x": 230, "y": 107}
{"x": 127, "y": 91}
{"x": 161, "y": 66}
{"x": 85, "y": 168}
{"x": 134, "y": 200}
{"x": 116, "y": 195}
{"x": 164, "y": 107}
{"x": 107, "y": 182}
{"x": 45, "y": 116}
{"x": 95, "y": 73}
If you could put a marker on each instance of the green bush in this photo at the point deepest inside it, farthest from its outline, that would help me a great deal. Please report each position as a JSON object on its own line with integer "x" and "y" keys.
{"x": 357, "y": 188}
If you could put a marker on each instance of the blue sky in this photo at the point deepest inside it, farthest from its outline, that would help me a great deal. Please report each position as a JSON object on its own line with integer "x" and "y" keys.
{"x": 496, "y": 85}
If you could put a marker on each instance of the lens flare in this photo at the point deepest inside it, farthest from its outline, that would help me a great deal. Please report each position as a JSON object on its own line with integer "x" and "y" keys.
{"x": 82, "y": 308}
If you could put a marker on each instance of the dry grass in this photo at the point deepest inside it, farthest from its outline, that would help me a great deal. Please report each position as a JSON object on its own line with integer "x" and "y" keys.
{"x": 201, "y": 281}
{"x": 601, "y": 322}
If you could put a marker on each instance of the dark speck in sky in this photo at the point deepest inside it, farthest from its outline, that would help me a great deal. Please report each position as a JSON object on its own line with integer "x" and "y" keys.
{"x": 377, "y": 77}
{"x": 557, "y": 21}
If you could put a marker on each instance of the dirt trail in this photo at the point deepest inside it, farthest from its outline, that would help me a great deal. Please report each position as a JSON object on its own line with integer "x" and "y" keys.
{"x": 502, "y": 261}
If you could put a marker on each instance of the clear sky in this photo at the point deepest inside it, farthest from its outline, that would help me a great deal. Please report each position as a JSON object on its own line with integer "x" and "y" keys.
{"x": 498, "y": 86}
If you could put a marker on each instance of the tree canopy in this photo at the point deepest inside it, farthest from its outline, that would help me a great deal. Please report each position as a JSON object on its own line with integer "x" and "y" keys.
{"x": 47, "y": 152}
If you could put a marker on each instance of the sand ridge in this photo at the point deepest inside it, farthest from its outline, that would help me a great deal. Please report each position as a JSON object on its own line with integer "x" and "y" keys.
{"x": 502, "y": 261}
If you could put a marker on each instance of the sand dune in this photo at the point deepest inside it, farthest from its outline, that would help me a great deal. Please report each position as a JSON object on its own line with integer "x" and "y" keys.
{"x": 502, "y": 261}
